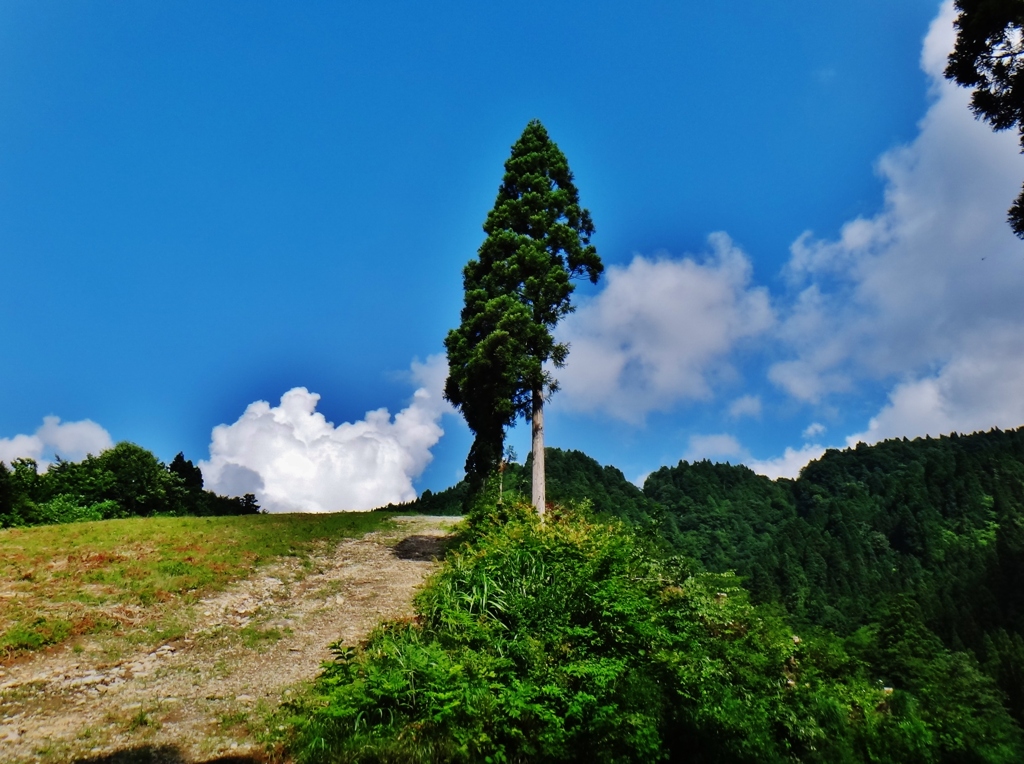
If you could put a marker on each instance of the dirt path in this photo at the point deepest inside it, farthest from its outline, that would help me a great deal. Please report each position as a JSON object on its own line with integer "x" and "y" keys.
{"x": 208, "y": 696}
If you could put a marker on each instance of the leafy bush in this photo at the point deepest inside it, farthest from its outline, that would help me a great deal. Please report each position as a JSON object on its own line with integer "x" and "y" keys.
{"x": 572, "y": 641}
{"x": 67, "y": 509}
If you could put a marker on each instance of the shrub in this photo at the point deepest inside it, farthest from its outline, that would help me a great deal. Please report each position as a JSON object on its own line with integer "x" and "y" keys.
{"x": 66, "y": 509}
{"x": 572, "y": 641}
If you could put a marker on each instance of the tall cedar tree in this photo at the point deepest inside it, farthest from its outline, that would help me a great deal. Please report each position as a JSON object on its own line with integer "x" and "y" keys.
{"x": 989, "y": 57}
{"x": 516, "y": 291}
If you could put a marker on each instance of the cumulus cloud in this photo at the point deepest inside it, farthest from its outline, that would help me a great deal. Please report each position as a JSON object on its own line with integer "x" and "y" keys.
{"x": 661, "y": 330}
{"x": 930, "y": 282}
{"x": 747, "y": 405}
{"x": 294, "y": 460}
{"x": 72, "y": 441}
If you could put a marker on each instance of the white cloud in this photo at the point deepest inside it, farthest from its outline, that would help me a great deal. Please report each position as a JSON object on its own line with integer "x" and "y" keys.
{"x": 71, "y": 441}
{"x": 640, "y": 479}
{"x": 293, "y": 459}
{"x": 747, "y": 405}
{"x": 976, "y": 391}
{"x": 923, "y": 297}
{"x": 930, "y": 283}
{"x": 713, "y": 447}
{"x": 789, "y": 464}
{"x": 660, "y": 331}
{"x": 20, "y": 447}
{"x": 722, "y": 446}
{"x": 813, "y": 430}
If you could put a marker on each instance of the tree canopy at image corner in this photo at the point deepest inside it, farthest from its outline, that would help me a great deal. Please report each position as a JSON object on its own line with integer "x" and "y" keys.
{"x": 989, "y": 57}
{"x": 516, "y": 290}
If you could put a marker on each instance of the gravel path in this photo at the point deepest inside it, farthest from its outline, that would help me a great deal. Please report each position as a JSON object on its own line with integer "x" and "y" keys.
{"x": 204, "y": 697}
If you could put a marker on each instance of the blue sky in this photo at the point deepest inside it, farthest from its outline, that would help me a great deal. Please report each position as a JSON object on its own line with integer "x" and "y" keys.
{"x": 207, "y": 206}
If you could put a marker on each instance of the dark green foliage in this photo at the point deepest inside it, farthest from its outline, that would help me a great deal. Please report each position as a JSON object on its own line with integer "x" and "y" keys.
{"x": 989, "y": 57}
{"x": 7, "y": 493}
{"x": 574, "y": 476}
{"x": 127, "y": 474}
{"x": 571, "y": 476}
{"x": 210, "y": 504}
{"x": 124, "y": 481}
{"x": 578, "y": 641}
{"x": 23, "y": 490}
{"x": 516, "y": 291}
{"x": 955, "y": 699}
{"x": 570, "y": 641}
{"x": 938, "y": 520}
{"x": 1003, "y": 660}
{"x": 190, "y": 474}
{"x": 862, "y": 525}
{"x": 722, "y": 515}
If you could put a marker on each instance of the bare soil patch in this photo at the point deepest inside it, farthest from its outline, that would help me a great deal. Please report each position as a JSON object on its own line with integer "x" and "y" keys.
{"x": 208, "y": 695}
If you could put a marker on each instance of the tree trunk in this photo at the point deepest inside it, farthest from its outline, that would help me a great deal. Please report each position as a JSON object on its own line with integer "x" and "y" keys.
{"x": 538, "y": 451}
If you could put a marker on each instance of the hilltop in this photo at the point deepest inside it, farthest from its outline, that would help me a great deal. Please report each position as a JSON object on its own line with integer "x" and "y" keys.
{"x": 189, "y": 675}
{"x": 870, "y": 610}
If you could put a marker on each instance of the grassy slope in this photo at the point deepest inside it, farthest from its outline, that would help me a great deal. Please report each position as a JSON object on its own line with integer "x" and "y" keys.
{"x": 59, "y": 581}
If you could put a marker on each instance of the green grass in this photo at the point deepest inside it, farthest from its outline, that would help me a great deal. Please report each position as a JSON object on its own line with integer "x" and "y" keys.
{"x": 60, "y": 581}
{"x": 141, "y": 720}
{"x": 255, "y": 637}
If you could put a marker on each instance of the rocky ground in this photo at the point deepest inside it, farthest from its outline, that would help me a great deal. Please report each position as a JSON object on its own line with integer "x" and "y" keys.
{"x": 211, "y": 695}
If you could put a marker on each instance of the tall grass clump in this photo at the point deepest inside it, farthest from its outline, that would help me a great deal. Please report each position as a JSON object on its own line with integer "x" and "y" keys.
{"x": 572, "y": 641}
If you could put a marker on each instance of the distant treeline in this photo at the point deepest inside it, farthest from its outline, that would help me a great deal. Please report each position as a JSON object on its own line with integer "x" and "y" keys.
{"x": 912, "y": 552}
{"x": 124, "y": 481}
{"x": 449, "y": 502}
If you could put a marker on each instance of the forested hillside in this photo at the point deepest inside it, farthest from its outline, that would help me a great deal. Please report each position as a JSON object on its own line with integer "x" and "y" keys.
{"x": 942, "y": 520}
{"x": 876, "y": 614}
{"x": 576, "y": 638}
{"x": 922, "y": 537}
{"x": 124, "y": 481}
{"x": 938, "y": 523}
{"x": 571, "y": 475}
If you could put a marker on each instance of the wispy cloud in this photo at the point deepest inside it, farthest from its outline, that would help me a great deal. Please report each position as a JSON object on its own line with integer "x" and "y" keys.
{"x": 921, "y": 299}
{"x": 714, "y": 447}
{"x": 974, "y": 391}
{"x": 813, "y": 430}
{"x": 746, "y": 405}
{"x": 724, "y": 447}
